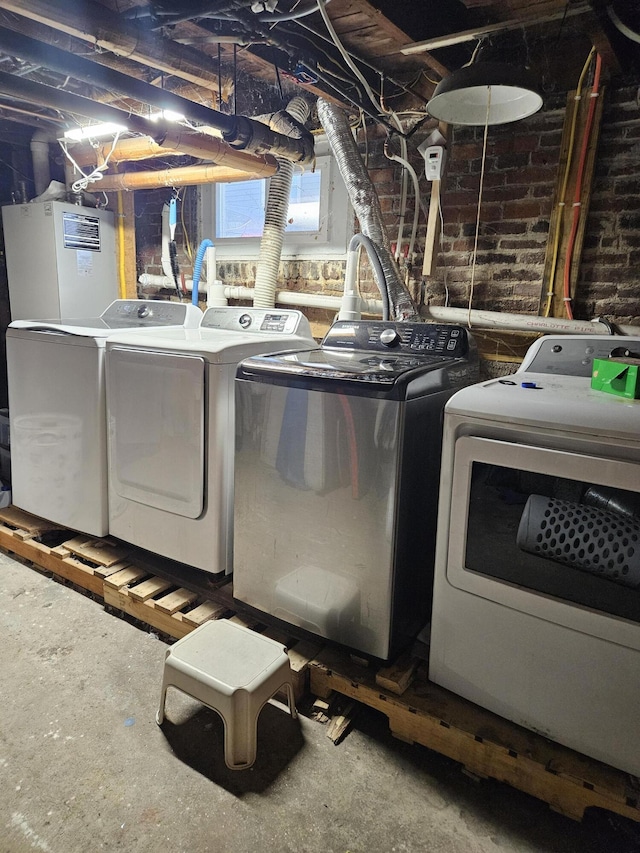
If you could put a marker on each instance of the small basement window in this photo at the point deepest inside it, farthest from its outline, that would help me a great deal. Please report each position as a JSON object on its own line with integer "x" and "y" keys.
{"x": 320, "y": 218}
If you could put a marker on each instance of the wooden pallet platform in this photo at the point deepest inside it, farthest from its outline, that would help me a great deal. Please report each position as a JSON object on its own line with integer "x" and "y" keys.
{"x": 113, "y": 572}
{"x": 485, "y": 744}
{"x": 418, "y": 711}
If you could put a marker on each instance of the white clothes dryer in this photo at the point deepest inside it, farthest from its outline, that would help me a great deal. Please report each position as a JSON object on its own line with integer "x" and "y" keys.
{"x": 57, "y": 408}
{"x": 536, "y": 606}
{"x": 171, "y": 430}
{"x": 573, "y": 355}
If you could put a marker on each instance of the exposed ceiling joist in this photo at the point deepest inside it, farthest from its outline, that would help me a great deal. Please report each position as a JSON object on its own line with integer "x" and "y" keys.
{"x": 579, "y": 8}
{"x": 93, "y": 23}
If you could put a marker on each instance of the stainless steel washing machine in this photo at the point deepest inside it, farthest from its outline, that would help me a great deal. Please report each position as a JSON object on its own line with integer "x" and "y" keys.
{"x": 336, "y": 479}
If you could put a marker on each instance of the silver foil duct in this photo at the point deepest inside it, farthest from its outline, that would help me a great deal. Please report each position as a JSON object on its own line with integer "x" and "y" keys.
{"x": 366, "y": 204}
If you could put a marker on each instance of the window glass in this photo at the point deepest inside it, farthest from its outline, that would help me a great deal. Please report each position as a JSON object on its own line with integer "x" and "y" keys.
{"x": 320, "y": 220}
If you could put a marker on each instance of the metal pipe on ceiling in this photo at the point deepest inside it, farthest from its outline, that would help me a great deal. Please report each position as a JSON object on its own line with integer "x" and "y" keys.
{"x": 250, "y": 135}
{"x": 239, "y": 131}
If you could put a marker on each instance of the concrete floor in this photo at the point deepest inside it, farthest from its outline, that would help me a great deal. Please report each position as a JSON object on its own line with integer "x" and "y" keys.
{"x": 84, "y": 767}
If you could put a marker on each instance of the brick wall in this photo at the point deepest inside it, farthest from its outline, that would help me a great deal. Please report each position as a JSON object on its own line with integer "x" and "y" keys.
{"x": 520, "y": 177}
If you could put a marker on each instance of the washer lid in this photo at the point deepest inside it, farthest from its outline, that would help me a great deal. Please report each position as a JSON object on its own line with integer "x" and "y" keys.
{"x": 395, "y": 376}
{"x": 216, "y": 346}
{"x": 121, "y": 314}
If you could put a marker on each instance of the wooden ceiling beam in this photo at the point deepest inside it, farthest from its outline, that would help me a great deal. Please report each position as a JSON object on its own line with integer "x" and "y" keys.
{"x": 90, "y": 22}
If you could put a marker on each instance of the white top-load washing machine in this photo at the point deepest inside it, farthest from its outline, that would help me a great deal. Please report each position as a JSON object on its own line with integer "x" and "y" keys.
{"x": 57, "y": 408}
{"x": 536, "y": 608}
{"x": 171, "y": 416}
{"x": 337, "y": 467}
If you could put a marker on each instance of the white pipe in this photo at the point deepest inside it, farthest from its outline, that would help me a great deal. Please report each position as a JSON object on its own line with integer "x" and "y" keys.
{"x": 350, "y": 302}
{"x": 306, "y": 300}
{"x": 437, "y": 313}
{"x": 520, "y": 322}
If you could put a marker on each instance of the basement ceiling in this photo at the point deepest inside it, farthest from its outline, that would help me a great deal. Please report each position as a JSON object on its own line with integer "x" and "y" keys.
{"x": 248, "y": 57}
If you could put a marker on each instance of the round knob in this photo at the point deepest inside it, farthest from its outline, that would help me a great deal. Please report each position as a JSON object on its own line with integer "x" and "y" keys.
{"x": 389, "y": 338}
{"x": 245, "y": 320}
{"x": 143, "y": 311}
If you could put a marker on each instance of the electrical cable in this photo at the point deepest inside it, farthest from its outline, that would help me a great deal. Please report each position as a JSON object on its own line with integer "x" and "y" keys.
{"x": 94, "y": 176}
{"x": 475, "y": 242}
{"x": 347, "y": 58}
{"x": 188, "y": 248}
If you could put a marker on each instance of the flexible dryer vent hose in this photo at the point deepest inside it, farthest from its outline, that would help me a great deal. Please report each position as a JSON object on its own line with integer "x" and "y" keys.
{"x": 366, "y": 204}
{"x": 275, "y": 220}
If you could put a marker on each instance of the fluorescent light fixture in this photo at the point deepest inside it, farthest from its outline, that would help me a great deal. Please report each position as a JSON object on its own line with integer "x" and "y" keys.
{"x": 94, "y": 131}
{"x": 167, "y": 115}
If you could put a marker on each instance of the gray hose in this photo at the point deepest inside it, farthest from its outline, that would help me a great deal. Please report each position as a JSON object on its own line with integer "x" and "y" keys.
{"x": 369, "y": 245}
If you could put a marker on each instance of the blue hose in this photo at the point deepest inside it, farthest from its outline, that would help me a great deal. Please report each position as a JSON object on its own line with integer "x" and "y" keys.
{"x": 197, "y": 268}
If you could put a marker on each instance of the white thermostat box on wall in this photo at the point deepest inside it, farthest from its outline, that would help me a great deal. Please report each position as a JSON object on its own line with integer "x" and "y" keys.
{"x": 61, "y": 260}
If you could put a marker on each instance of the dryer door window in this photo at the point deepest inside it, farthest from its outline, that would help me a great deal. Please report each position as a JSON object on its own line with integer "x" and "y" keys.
{"x": 156, "y": 429}
{"x": 562, "y": 526}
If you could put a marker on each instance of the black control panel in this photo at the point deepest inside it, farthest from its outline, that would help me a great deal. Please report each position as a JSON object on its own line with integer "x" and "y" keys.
{"x": 401, "y": 338}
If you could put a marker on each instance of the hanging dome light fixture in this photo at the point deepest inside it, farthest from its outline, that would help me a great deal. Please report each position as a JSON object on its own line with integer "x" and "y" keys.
{"x": 485, "y": 93}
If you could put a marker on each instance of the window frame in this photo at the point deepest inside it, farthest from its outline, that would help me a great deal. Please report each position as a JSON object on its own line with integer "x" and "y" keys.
{"x": 337, "y": 220}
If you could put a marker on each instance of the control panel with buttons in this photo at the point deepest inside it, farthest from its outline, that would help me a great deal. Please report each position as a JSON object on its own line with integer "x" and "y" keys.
{"x": 256, "y": 321}
{"x": 437, "y": 339}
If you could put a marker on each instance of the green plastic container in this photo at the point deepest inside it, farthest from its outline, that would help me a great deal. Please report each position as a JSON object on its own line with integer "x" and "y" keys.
{"x": 619, "y": 376}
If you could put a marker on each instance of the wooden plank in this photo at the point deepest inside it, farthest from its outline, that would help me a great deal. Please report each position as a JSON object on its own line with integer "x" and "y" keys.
{"x": 174, "y": 601}
{"x": 25, "y": 524}
{"x": 340, "y": 723}
{"x": 102, "y": 552}
{"x": 245, "y": 621}
{"x": 484, "y": 743}
{"x": 433, "y": 231}
{"x": 399, "y": 675}
{"x": 203, "y": 613}
{"x": 124, "y": 577}
{"x": 107, "y": 571}
{"x": 300, "y": 657}
{"x": 147, "y": 589}
{"x": 170, "y": 624}
{"x": 79, "y": 573}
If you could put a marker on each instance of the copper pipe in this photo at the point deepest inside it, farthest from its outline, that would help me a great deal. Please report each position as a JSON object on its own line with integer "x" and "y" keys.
{"x": 181, "y": 177}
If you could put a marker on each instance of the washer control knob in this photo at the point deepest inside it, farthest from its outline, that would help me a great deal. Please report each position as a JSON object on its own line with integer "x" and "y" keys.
{"x": 245, "y": 320}
{"x": 389, "y": 338}
{"x": 143, "y": 311}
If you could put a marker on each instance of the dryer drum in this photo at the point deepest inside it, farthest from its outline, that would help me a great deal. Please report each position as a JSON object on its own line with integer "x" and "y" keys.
{"x": 582, "y": 537}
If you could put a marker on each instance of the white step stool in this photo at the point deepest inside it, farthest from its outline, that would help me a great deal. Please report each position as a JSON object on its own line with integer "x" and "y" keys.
{"x": 233, "y": 671}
